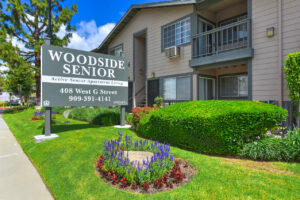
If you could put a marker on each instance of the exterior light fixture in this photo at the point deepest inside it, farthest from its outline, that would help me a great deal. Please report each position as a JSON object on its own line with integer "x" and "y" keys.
{"x": 152, "y": 75}
{"x": 270, "y": 32}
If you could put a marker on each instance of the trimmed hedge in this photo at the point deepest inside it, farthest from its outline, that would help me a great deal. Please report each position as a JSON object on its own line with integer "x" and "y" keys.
{"x": 97, "y": 116}
{"x": 214, "y": 127}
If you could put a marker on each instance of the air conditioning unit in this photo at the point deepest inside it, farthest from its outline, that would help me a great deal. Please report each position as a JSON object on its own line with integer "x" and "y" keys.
{"x": 172, "y": 52}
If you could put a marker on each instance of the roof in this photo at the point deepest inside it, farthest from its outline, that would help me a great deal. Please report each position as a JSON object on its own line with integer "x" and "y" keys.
{"x": 131, "y": 13}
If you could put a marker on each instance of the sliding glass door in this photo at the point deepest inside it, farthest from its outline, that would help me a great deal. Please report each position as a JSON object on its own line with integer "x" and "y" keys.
{"x": 206, "y": 42}
{"x": 206, "y": 88}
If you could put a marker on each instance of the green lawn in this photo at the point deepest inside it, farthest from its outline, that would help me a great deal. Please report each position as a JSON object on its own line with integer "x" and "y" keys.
{"x": 67, "y": 166}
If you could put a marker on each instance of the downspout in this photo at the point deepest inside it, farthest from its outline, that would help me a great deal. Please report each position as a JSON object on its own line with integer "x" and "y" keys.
{"x": 280, "y": 59}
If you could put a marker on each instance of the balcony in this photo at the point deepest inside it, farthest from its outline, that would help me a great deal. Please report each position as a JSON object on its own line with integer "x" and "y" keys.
{"x": 225, "y": 43}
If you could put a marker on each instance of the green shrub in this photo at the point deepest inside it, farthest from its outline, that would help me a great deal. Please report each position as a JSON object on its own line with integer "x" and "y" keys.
{"x": 277, "y": 149}
{"x": 265, "y": 149}
{"x": 292, "y": 72}
{"x": 138, "y": 113}
{"x": 159, "y": 101}
{"x": 98, "y": 115}
{"x": 215, "y": 127}
{"x": 129, "y": 118}
{"x": 4, "y": 104}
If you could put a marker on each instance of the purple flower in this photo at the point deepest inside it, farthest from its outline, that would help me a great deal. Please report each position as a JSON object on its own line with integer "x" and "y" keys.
{"x": 171, "y": 157}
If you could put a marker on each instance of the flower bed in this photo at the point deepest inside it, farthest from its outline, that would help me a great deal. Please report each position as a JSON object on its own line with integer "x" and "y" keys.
{"x": 37, "y": 118}
{"x": 154, "y": 173}
{"x": 40, "y": 116}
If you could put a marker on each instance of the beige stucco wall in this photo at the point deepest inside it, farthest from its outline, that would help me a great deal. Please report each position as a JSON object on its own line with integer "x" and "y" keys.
{"x": 229, "y": 12}
{"x": 270, "y": 52}
{"x": 234, "y": 10}
{"x": 153, "y": 19}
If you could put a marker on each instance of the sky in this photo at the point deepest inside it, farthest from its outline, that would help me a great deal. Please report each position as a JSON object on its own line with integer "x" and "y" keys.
{"x": 94, "y": 21}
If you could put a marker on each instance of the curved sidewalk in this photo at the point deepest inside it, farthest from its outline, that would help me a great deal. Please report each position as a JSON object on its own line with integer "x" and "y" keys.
{"x": 18, "y": 177}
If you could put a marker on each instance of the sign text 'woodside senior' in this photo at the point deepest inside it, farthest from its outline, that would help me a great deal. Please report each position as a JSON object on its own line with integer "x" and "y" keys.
{"x": 77, "y": 78}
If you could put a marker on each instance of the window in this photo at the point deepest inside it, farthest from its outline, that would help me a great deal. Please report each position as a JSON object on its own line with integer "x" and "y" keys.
{"x": 177, "y": 33}
{"x": 177, "y": 88}
{"x": 234, "y": 86}
{"x": 205, "y": 43}
{"x": 206, "y": 88}
{"x": 117, "y": 51}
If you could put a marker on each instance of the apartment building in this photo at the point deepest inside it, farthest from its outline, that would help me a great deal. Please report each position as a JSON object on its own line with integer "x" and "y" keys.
{"x": 206, "y": 49}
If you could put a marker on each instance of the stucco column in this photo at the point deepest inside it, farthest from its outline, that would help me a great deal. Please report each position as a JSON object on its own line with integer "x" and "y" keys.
{"x": 195, "y": 87}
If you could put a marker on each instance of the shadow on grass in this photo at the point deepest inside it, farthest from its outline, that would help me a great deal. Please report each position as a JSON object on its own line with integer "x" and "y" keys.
{"x": 10, "y": 112}
{"x": 71, "y": 127}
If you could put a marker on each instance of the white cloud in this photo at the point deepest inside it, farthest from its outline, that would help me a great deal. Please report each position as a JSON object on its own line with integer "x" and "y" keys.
{"x": 17, "y": 43}
{"x": 30, "y": 17}
{"x": 2, "y": 67}
{"x": 88, "y": 35}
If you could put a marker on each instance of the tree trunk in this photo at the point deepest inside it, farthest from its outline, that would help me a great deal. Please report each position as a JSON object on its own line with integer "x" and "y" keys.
{"x": 38, "y": 88}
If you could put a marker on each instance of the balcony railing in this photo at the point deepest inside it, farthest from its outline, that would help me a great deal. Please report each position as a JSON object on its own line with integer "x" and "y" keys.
{"x": 222, "y": 39}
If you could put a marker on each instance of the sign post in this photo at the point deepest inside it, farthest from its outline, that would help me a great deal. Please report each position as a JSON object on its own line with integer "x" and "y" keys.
{"x": 47, "y": 129}
{"x": 122, "y": 115}
{"x": 48, "y": 111}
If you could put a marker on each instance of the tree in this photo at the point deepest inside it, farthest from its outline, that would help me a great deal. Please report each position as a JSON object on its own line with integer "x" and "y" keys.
{"x": 19, "y": 80}
{"x": 292, "y": 72}
{"x": 26, "y": 21}
{"x": 19, "y": 77}
{"x": 1, "y": 83}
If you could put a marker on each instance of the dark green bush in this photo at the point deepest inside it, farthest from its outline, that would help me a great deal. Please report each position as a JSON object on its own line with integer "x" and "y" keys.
{"x": 292, "y": 71}
{"x": 4, "y": 104}
{"x": 98, "y": 116}
{"x": 276, "y": 149}
{"x": 215, "y": 127}
{"x": 265, "y": 149}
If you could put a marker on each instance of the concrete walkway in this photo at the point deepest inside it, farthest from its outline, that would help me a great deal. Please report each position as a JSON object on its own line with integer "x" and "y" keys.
{"x": 19, "y": 180}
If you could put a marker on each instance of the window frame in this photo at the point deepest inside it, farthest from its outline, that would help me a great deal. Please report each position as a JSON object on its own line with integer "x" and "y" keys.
{"x": 174, "y": 23}
{"x": 177, "y": 77}
{"x": 112, "y": 50}
{"x": 232, "y": 97}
